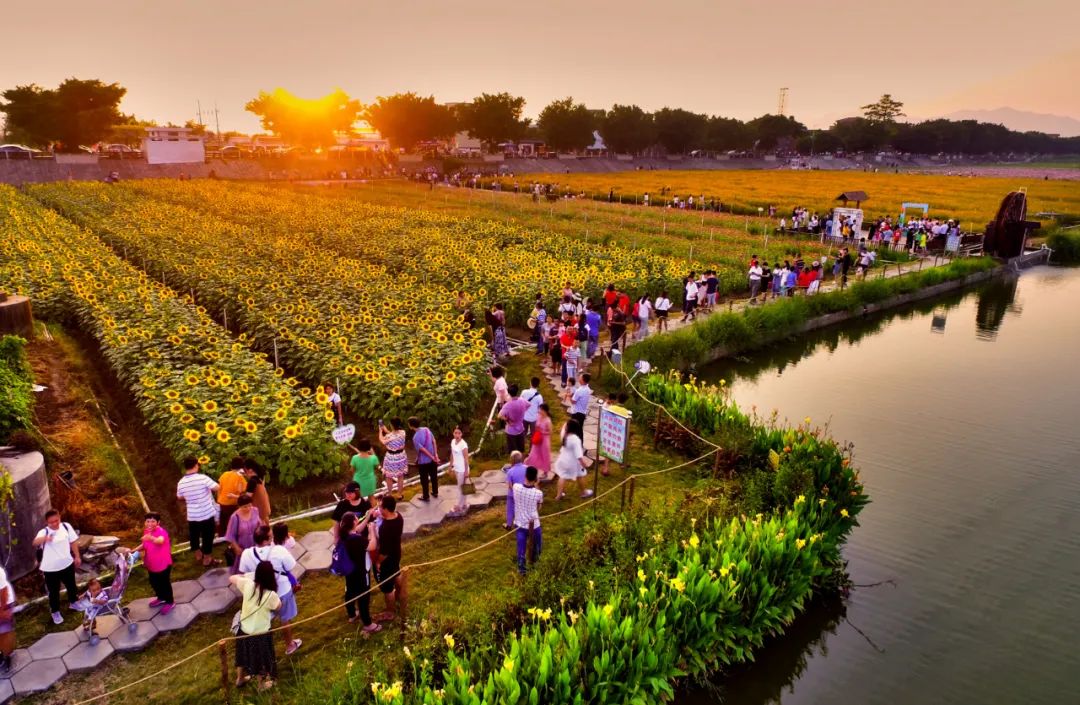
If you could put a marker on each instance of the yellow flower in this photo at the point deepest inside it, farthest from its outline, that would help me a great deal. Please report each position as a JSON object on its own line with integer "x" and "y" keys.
{"x": 449, "y": 638}
{"x": 186, "y": 419}
{"x": 192, "y": 435}
{"x": 328, "y": 415}
{"x": 679, "y": 584}
{"x": 800, "y": 499}
{"x": 291, "y": 432}
{"x": 172, "y": 394}
{"x": 225, "y": 380}
{"x": 211, "y": 427}
{"x": 250, "y": 427}
{"x": 641, "y": 575}
{"x": 396, "y": 391}
{"x": 321, "y": 398}
{"x": 643, "y": 591}
{"x": 280, "y": 414}
{"x": 204, "y": 460}
{"x": 799, "y": 543}
{"x": 508, "y": 664}
{"x": 844, "y": 513}
{"x": 694, "y": 541}
{"x": 176, "y": 408}
{"x": 192, "y": 380}
{"x": 209, "y": 406}
{"x": 450, "y": 376}
{"x": 223, "y": 436}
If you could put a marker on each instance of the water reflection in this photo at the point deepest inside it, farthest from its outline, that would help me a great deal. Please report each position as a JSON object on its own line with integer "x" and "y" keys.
{"x": 994, "y": 302}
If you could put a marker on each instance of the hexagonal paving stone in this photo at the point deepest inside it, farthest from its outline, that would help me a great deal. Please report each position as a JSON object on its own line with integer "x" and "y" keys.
{"x": 214, "y": 578}
{"x": 450, "y": 492}
{"x": 478, "y": 500}
{"x": 496, "y": 483}
{"x": 409, "y": 528}
{"x": 141, "y": 611}
{"x": 20, "y": 658}
{"x": 298, "y": 549}
{"x": 127, "y": 640}
{"x": 38, "y": 676}
{"x": 316, "y": 559}
{"x": 478, "y": 483}
{"x": 7, "y": 692}
{"x": 298, "y": 571}
{"x": 432, "y": 515}
{"x": 186, "y": 590}
{"x": 317, "y": 540}
{"x": 179, "y": 618}
{"x": 53, "y": 645}
{"x": 85, "y": 657}
{"x": 105, "y": 626}
{"x": 214, "y": 601}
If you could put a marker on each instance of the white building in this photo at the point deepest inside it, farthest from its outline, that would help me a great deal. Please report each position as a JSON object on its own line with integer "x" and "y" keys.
{"x": 173, "y": 145}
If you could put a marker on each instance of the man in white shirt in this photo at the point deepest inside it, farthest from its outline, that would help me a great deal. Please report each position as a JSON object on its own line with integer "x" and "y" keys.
{"x": 59, "y": 559}
{"x": 532, "y": 396}
{"x": 663, "y": 305}
{"x": 527, "y": 500}
{"x": 691, "y": 297}
{"x": 196, "y": 490}
{"x": 283, "y": 563}
{"x": 755, "y": 282}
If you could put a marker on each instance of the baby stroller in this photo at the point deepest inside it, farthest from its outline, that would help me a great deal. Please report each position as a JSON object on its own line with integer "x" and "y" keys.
{"x": 112, "y": 597}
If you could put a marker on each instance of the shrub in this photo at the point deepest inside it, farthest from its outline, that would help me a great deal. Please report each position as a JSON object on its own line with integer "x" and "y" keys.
{"x": 16, "y": 397}
{"x": 1066, "y": 246}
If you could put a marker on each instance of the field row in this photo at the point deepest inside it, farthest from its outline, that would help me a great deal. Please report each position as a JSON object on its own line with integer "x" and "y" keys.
{"x": 202, "y": 392}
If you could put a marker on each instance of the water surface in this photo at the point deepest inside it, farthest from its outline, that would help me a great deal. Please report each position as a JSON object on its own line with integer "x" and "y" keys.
{"x": 965, "y": 414}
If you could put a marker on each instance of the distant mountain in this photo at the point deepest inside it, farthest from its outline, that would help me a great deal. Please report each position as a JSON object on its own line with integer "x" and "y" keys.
{"x": 1022, "y": 120}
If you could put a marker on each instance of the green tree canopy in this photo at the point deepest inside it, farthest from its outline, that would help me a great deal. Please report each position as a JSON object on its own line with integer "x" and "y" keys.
{"x": 494, "y": 118}
{"x": 769, "y": 130}
{"x": 628, "y": 129}
{"x": 884, "y": 111}
{"x": 305, "y": 122}
{"x": 406, "y": 119}
{"x": 77, "y": 112}
{"x": 680, "y": 131}
{"x": 566, "y": 125}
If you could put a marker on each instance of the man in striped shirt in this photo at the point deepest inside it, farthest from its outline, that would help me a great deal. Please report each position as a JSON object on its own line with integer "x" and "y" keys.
{"x": 196, "y": 490}
{"x": 527, "y": 500}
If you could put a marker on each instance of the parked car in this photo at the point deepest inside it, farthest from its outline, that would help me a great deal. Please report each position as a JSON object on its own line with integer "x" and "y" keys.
{"x": 119, "y": 151}
{"x": 18, "y": 151}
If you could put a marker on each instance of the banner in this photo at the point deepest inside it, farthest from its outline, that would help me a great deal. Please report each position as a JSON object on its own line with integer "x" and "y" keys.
{"x": 614, "y": 432}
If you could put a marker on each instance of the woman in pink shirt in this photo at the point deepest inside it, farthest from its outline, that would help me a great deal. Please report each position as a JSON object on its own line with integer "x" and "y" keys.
{"x": 157, "y": 557}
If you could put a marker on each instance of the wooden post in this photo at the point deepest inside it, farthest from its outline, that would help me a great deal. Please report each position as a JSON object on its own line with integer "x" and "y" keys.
{"x": 276, "y": 363}
{"x": 226, "y": 679}
{"x": 630, "y": 498}
{"x": 622, "y": 500}
{"x": 716, "y": 464}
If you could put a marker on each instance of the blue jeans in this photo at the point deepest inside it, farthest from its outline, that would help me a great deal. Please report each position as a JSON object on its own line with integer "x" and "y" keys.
{"x": 522, "y": 544}
{"x": 594, "y": 343}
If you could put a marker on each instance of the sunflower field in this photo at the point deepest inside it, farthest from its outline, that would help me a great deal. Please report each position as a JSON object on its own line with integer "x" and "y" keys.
{"x": 202, "y": 392}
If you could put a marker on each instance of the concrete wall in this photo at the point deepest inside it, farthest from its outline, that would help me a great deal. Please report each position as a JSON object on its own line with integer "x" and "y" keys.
{"x": 22, "y": 171}
{"x": 31, "y": 501}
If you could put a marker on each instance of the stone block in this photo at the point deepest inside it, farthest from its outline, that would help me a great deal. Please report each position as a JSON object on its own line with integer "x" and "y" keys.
{"x": 179, "y": 618}
{"x": 186, "y": 590}
{"x": 214, "y": 601}
{"x": 478, "y": 500}
{"x": 141, "y": 611}
{"x": 38, "y": 676}
{"x": 298, "y": 549}
{"x": 138, "y": 639}
{"x": 431, "y": 515}
{"x": 87, "y": 657}
{"x": 7, "y": 692}
{"x": 299, "y": 570}
{"x": 316, "y": 559}
{"x": 53, "y": 645}
{"x": 214, "y": 578}
{"x": 19, "y": 659}
{"x": 317, "y": 540}
{"x": 409, "y": 528}
{"x": 450, "y": 492}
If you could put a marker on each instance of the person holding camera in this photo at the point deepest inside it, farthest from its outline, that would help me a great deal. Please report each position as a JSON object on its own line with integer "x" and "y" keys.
{"x": 395, "y": 463}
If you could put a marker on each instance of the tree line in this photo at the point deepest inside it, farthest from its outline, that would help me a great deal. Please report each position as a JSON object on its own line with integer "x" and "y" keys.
{"x": 83, "y": 112}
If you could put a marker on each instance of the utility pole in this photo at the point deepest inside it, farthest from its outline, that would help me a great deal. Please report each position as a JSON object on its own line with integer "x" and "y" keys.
{"x": 781, "y": 104}
{"x": 198, "y": 111}
{"x": 217, "y": 122}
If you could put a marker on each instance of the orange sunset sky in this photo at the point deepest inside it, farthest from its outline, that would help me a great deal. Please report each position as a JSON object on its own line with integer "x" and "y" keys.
{"x": 727, "y": 58}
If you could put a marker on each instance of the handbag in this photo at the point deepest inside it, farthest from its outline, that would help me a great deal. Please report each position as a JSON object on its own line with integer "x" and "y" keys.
{"x": 234, "y": 627}
{"x": 537, "y": 437}
{"x": 230, "y": 556}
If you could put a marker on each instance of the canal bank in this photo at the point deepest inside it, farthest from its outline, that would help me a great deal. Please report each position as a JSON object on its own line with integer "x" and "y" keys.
{"x": 962, "y": 411}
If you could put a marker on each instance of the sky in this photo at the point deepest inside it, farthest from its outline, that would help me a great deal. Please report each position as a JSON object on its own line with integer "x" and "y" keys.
{"x": 726, "y": 58}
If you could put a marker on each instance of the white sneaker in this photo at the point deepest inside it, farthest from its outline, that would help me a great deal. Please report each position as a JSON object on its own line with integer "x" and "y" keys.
{"x": 586, "y": 494}
{"x": 56, "y": 618}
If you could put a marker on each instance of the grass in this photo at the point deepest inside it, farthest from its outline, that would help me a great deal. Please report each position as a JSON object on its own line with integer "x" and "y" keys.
{"x": 460, "y": 596}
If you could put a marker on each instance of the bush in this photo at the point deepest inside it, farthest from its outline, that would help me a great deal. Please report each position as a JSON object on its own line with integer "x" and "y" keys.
{"x": 16, "y": 378}
{"x": 1066, "y": 246}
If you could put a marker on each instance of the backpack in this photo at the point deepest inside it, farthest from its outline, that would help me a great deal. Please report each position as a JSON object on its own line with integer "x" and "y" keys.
{"x": 582, "y": 330}
{"x": 340, "y": 562}
{"x": 637, "y": 308}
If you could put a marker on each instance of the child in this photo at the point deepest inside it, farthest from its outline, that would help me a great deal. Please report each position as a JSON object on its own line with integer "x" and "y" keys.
{"x": 459, "y": 456}
{"x": 554, "y": 347}
{"x": 282, "y": 537}
{"x": 95, "y": 596}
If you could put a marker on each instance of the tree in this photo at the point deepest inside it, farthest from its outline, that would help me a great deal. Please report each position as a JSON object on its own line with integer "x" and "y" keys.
{"x": 678, "y": 131}
{"x": 725, "y": 134}
{"x": 305, "y": 122}
{"x": 567, "y": 126}
{"x": 860, "y": 134}
{"x": 494, "y": 118}
{"x": 769, "y": 131}
{"x": 77, "y": 112}
{"x": 628, "y": 129}
{"x": 406, "y": 119}
{"x": 884, "y": 111}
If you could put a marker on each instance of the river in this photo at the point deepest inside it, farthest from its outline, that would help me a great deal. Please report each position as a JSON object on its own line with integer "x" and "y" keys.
{"x": 965, "y": 414}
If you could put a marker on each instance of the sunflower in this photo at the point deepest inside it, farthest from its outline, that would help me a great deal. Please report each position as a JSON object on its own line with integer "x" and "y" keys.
{"x": 257, "y": 400}
{"x": 211, "y": 427}
{"x": 280, "y": 414}
{"x": 250, "y": 427}
{"x": 450, "y": 376}
{"x": 186, "y": 419}
{"x": 291, "y": 432}
{"x": 396, "y": 391}
{"x": 321, "y": 398}
{"x": 204, "y": 460}
{"x": 328, "y": 415}
{"x": 225, "y": 380}
{"x": 223, "y": 436}
{"x": 192, "y": 380}
{"x": 209, "y": 406}
{"x": 176, "y": 408}
{"x": 172, "y": 394}
{"x": 192, "y": 435}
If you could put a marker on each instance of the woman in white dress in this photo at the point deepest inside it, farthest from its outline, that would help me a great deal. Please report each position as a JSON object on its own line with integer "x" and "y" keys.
{"x": 459, "y": 457}
{"x": 571, "y": 463}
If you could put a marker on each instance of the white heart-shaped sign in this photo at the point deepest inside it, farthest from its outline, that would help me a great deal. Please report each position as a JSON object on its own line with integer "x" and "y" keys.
{"x": 343, "y": 434}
